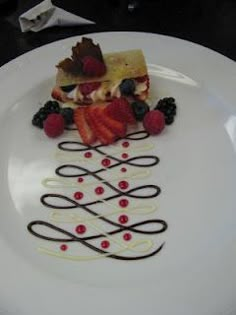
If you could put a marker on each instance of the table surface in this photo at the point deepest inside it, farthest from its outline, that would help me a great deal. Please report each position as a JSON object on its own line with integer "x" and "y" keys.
{"x": 211, "y": 23}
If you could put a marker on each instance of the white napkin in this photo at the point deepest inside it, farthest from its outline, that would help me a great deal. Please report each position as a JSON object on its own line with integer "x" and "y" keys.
{"x": 45, "y": 15}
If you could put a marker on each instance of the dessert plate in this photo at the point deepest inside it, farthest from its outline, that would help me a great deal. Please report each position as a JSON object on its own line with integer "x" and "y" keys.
{"x": 192, "y": 268}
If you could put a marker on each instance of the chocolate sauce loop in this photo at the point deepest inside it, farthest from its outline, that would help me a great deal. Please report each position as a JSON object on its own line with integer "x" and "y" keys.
{"x": 139, "y": 135}
{"x": 63, "y": 203}
{"x": 81, "y": 147}
{"x": 31, "y": 228}
{"x": 85, "y": 207}
{"x": 138, "y": 161}
{"x": 70, "y": 203}
{"x": 75, "y": 146}
{"x": 70, "y": 237}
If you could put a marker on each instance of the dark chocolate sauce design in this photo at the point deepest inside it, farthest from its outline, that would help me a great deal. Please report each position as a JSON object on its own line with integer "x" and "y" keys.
{"x": 147, "y": 227}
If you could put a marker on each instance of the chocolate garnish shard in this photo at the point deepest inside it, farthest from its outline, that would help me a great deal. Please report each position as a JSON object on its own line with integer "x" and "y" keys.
{"x": 82, "y": 49}
{"x": 86, "y": 48}
{"x": 70, "y": 66}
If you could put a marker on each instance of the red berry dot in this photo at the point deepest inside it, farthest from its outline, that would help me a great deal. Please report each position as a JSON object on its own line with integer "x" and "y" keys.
{"x": 105, "y": 244}
{"x": 123, "y": 184}
{"x": 78, "y": 195}
{"x": 80, "y": 180}
{"x": 63, "y": 247}
{"x": 88, "y": 154}
{"x": 123, "y": 170}
{"x": 80, "y": 229}
{"x": 106, "y": 162}
{"x": 127, "y": 236}
{"x": 99, "y": 190}
{"x": 123, "y": 203}
{"x": 125, "y": 155}
{"x": 123, "y": 219}
{"x": 125, "y": 144}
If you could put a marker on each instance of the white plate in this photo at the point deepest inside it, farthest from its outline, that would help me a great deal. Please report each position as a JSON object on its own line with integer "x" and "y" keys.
{"x": 195, "y": 271}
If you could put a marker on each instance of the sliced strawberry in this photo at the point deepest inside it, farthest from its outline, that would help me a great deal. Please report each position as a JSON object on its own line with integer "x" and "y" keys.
{"x": 86, "y": 133}
{"x": 93, "y": 125}
{"x": 87, "y": 88}
{"x": 104, "y": 134}
{"x": 120, "y": 109}
{"x": 117, "y": 127}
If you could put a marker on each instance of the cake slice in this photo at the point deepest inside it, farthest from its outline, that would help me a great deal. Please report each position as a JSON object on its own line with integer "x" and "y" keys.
{"x": 90, "y": 76}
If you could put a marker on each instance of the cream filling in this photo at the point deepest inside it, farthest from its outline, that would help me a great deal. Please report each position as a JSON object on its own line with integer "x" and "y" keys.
{"x": 75, "y": 94}
{"x": 115, "y": 90}
{"x": 100, "y": 93}
{"x": 140, "y": 88}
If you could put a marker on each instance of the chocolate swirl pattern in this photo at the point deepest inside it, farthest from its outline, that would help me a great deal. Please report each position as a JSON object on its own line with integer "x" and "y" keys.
{"x": 103, "y": 176}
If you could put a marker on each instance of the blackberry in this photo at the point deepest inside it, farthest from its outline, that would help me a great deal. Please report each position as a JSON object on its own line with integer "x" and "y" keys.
{"x": 37, "y": 121}
{"x": 48, "y": 108}
{"x": 127, "y": 87}
{"x": 169, "y": 120}
{"x": 168, "y": 107}
{"x": 140, "y": 108}
{"x": 68, "y": 115}
{"x": 52, "y": 107}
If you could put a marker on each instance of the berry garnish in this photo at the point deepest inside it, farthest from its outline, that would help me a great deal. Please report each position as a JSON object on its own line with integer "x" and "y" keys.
{"x": 102, "y": 132}
{"x": 68, "y": 115}
{"x": 87, "y": 88}
{"x": 86, "y": 133}
{"x": 93, "y": 67}
{"x": 140, "y": 108}
{"x": 127, "y": 87}
{"x": 54, "y": 125}
{"x": 48, "y": 108}
{"x": 37, "y": 121}
{"x": 52, "y": 107}
{"x": 120, "y": 109}
{"x": 116, "y": 127}
{"x": 168, "y": 107}
{"x": 154, "y": 122}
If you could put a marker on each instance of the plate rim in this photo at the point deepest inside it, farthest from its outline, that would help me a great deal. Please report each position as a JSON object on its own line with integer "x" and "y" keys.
{"x": 14, "y": 63}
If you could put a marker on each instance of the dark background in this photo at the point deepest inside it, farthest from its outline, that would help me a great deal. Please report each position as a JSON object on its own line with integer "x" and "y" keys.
{"x": 211, "y": 23}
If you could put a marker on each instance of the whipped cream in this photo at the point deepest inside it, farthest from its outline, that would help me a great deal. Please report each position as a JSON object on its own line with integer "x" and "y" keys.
{"x": 101, "y": 93}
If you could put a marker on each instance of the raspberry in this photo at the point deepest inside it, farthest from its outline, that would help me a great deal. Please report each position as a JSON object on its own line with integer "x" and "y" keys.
{"x": 93, "y": 67}
{"x": 154, "y": 122}
{"x": 120, "y": 109}
{"x": 54, "y": 125}
{"x": 87, "y": 88}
